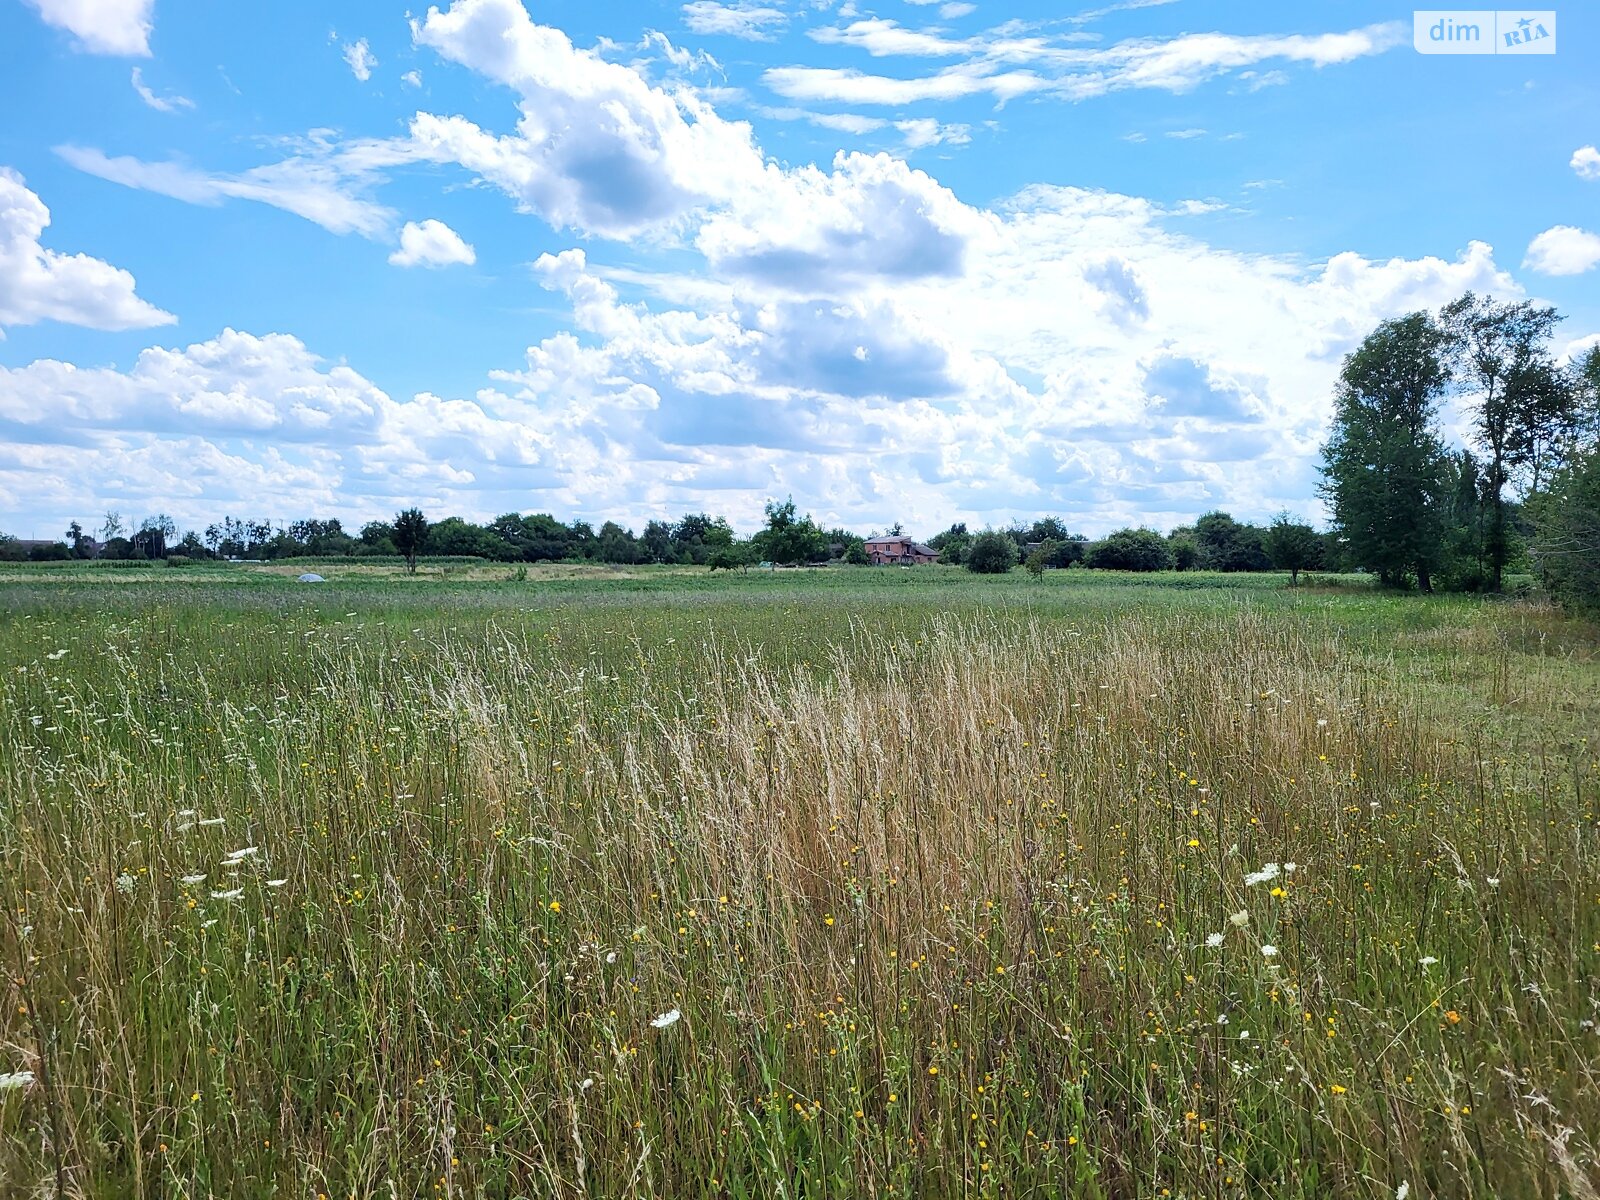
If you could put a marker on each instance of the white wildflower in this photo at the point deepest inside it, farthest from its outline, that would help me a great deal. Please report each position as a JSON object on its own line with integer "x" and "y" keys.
{"x": 611, "y": 958}
{"x": 230, "y": 894}
{"x": 1426, "y": 961}
{"x": 1269, "y": 951}
{"x": 276, "y": 883}
{"x": 1244, "y": 1035}
{"x": 16, "y": 1079}
{"x": 585, "y": 1084}
{"x": 213, "y": 822}
{"x": 191, "y": 880}
{"x": 1492, "y": 881}
{"x": 1265, "y": 875}
{"x": 1240, "y": 919}
{"x": 56, "y": 655}
{"x": 1404, "y": 1190}
{"x": 670, "y": 1017}
{"x": 1222, "y": 1018}
{"x": 125, "y": 883}
{"x": 1290, "y": 868}
{"x": 238, "y": 856}
{"x": 1213, "y": 940}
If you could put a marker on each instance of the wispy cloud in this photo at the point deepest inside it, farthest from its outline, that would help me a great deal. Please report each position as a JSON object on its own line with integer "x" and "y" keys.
{"x": 168, "y": 104}
{"x": 752, "y": 22}
{"x": 322, "y": 188}
{"x": 1007, "y": 66}
{"x": 1094, "y": 14}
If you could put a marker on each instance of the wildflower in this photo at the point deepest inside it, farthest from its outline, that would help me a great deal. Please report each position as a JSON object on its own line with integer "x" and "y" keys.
{"x": 611, "y": 958}
{"x": 1213, "y": 940}
{"x": 238, "y": 856}
{"x": 1193, "y": 842}
{"x": 125, "y": 883}
{"x": 1492, "y": 881}
{"x": 1269, "y": 951}
{"x": 1222, "y": 1018}
{"x": 191, "y": 880}
{"x": 1453, "y": 1017}
{"x": 56, "y": 655}
{"x": 671, "y": 1017}
{"x": 1240, "y": 919}
{"x": 1267, "y": 873}
{"x": 231, "y": 894}
{"x": 1401, "y": 1192}
{"x": 213, "y": 822}
{"x": 1290, "y": 868}
{"x": 555, "y": 906}
{"x": 18, "y": 1079}
{"x": 276, "y": 883}
{"x": 1338, "y": 1089}
{"x": 1244, "y": 1035}
{"x": 1426, "y": 961}
{"x": 585, "y": 1084}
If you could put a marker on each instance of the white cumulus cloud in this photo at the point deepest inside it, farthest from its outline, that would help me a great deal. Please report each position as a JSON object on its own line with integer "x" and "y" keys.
{"x": 1563, "y": 250}
{"x": 359, "y": 58}
{"x": 37, "y": 284}
{"x": 102, "y": 26}
{"x": 431, "y": 244}
{"x": 1586, "y": 162}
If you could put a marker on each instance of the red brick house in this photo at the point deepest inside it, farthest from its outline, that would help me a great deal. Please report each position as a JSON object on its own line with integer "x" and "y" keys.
{"x": 899, "y": 551}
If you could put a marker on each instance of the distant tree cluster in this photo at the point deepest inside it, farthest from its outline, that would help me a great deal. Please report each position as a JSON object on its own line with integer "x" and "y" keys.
{"x": 1523, "y": 495}
{"x": 1215, "y": 542}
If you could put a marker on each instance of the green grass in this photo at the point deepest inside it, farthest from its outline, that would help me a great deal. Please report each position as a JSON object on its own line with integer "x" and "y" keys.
{"x": 926, "y": 863}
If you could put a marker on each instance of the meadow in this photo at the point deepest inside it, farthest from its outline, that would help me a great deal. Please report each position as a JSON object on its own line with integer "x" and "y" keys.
{"x": 832, "y": 883}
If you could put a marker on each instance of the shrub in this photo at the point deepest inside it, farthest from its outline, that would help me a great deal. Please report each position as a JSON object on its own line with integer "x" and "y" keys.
{"x": 1131, "y": 550}
{"x": 991, "y": 553}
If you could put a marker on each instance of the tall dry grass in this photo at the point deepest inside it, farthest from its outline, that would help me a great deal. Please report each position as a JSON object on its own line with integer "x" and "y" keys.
{"x": 960, "y": 913}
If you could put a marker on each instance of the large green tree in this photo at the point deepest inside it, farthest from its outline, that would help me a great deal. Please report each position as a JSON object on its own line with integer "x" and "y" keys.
{"x": 410, "y": 535}
{"x": 1520, "y": 402}
{"x": 1383, "y": 465}
{"x": 991, "y": 553}
{"x": 1293, "y": 546}
{"x": 790, "y": 538}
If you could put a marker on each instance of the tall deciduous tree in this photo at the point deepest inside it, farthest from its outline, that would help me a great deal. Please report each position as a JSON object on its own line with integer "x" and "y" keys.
{"x": 1383, "y": 464}
{"x": 410, "y": 535}
{"x": 1520, "y": 402}
{"x": 1293, "y": 546}
{"x": 788, "y": 537}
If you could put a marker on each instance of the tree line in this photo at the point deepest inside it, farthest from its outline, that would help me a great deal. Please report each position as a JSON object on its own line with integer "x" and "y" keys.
{"x": 1523, "y": 495}
{"x": 1214, "y": 542}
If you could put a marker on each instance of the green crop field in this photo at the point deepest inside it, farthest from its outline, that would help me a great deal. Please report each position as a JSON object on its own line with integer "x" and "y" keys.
{"x": 832, "y": 883}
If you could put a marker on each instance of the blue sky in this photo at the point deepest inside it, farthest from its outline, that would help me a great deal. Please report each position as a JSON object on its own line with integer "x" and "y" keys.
{"x": 906, "y": 261}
